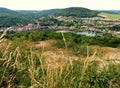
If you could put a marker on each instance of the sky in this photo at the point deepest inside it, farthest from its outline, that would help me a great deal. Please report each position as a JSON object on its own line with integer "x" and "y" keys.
{"x": 53, "y": 4}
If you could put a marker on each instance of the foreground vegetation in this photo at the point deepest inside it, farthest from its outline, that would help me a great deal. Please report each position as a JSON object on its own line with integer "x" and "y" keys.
{"x": 24, "y": 66}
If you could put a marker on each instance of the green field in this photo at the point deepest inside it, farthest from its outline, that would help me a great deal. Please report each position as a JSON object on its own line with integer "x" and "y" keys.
{"x": 110, "y": 15}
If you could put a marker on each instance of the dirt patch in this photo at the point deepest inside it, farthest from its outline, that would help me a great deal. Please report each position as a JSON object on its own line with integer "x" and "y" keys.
{"x": 45, "y": 43}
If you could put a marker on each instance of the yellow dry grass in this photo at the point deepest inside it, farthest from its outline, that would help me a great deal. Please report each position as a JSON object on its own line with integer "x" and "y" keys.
{"x": 106, "y": 55}
{"x": 107, "y": 52}
{"x": 53, "y": 57}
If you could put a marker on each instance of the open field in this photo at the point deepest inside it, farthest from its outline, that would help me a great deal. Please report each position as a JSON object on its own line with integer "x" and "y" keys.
{"x": 109, "y": 15}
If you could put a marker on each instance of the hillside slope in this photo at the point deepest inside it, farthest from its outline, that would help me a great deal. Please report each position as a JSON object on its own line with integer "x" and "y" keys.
{"x": 5, "y": 11}
{"x": 72, "y": 11}
{"x": 12, "y": 18}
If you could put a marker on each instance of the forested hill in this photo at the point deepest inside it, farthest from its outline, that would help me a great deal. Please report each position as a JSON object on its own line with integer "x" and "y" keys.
{"x": 5, "y": 11}
{"x": 77, "y": 12}
{"x": 13, "y": 18}
{"x": 72, "y": 11}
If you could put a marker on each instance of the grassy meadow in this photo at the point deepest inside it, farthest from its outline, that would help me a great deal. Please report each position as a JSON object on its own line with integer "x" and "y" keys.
{"x": 46, "y": 59}
{"x": 110, "y": 15}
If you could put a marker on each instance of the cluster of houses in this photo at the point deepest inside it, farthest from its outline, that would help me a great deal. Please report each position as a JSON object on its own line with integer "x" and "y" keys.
{"x": 28, "y": 27}
{"x": 88, "y": 24}
{"x": 100, "y": 24}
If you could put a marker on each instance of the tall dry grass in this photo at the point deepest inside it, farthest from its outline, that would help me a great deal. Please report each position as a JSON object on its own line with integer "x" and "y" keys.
{"x": 27, "y": 70}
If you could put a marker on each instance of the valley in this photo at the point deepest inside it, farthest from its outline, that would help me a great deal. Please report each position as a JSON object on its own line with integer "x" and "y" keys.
{"x": 101, "y": 23}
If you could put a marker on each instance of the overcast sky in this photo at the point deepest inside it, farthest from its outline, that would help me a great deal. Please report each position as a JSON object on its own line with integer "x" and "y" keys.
{"x": 51, "y": 4}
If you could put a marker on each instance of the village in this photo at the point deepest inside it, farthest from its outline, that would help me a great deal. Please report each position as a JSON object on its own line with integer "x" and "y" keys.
{"x": 95, "y": 24}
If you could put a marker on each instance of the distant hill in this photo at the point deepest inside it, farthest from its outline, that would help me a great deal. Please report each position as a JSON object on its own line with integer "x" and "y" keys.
{"x": 12, "y": 18}
{"x": 6, "y": 11}
{"x": 72, "y": 11}
{"x": 110, "y": 11}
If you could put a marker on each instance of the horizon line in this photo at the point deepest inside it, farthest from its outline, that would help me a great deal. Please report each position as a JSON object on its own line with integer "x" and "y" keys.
{"x": 59, "y": 8}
